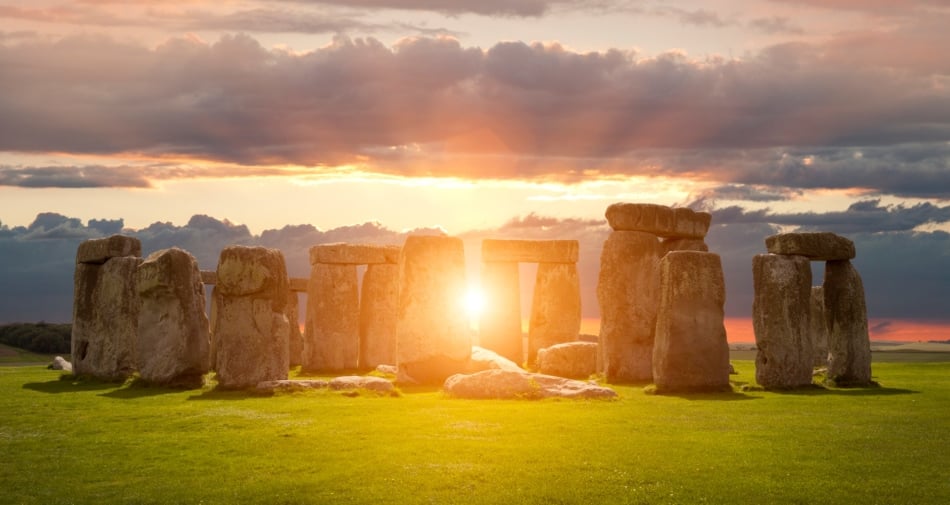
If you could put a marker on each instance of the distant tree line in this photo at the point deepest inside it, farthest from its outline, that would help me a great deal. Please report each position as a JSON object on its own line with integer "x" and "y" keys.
{"x": 43, "y": 338}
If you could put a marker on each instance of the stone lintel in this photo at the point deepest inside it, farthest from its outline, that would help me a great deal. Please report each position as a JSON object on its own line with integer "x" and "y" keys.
{"x": 299, "y": 284}
{"x": 660, "y": 220}
{"x": 99, "y": 250}
{"x": 354, "y": 254}
{"x": 529, "y": 251}
{"x": 209, "y": 277}
{"x": 816, "y": 246}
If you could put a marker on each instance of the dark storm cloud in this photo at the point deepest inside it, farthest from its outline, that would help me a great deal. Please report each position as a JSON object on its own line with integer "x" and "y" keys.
{"x": 92, "y": 176}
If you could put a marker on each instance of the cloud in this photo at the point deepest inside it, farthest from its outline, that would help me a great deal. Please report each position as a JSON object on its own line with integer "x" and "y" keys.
{"x": 776, "y": 25}
{"x": 92, "y": 176}
{"x": 506, "y": 8}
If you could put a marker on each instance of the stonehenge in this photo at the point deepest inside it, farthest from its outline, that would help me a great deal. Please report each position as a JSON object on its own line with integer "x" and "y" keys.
{"x": 794, "y": 323}
{"x": 555, "y": 308}
{"x": 660, "y": 291}
{"x": 629, "y": 286}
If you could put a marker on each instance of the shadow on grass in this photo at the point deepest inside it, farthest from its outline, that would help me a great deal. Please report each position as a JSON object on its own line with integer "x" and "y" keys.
{"x": 869, "y": 391}
{"x": 724, "y": 396}
{"x": 140, "y": 389}
{"x": 226, "y": 394}
{"x": 70, "y": 384}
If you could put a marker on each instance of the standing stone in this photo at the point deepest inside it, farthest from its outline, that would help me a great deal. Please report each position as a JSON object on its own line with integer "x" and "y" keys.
{"x": 628, "y": 292}
{"x": 691, "y": 352}
{"x": 105, "y": 318}
{"x": 819, "y": 326}
{"x": 173, "y": 345}
{"x": 432, "y": 332}
{"x": 781, "y": 321}
{"x": 251, "y": 329}
{"x": 378, "y": 308}
{"x": 500, "y": 322}
{"x": 332, "y": 331}
{"x": 294, "y": 337}
{"x": 849, "y": 346}
{"x": 555, "y": 308}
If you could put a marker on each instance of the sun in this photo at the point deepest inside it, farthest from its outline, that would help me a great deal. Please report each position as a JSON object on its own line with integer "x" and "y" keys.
{"x": 474, "y": 302}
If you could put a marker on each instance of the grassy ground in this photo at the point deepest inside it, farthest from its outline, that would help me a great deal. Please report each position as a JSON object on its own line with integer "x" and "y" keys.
{"x": 14, "y": 356}
{"x": 81, "y": 442}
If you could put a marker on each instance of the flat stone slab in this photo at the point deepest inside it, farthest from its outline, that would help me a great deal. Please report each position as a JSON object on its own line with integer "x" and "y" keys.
{"x": 530, "y": 251}
{"x": 290, "y": 385}
{"x": 505, "y": 384}
{"x": 817, "y": 246}
{"x": 299, "y": 284}
{"x": 368, "y": 382}
{"x": 99, "y": 250}
{"x": 486, "y": 359}
{"x": 354, "y": 254}
{"x": 659, "y": 220}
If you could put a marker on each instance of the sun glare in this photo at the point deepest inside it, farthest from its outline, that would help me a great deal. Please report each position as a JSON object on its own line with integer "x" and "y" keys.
{"x": 474, "y": 302}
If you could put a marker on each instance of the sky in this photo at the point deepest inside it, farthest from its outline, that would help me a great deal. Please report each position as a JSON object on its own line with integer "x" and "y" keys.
{"x": 292, "y": 122}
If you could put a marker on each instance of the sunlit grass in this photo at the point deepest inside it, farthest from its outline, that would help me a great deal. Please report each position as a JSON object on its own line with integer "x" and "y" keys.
{"x": 84, "y": 442}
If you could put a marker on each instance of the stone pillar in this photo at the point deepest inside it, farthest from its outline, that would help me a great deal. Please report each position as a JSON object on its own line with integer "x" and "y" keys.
{"x": 500, "y": 323}
{"x": 432, "y": 332}
{"x": 105, "y": 308}
{"x": 691, "y": 352}
{"x": 332, "y": 331}
{"x": 628, "y": 293}
{"x": 555, "y": 308}
{"x": 173, "y": 345}
{"x": 251, "y": 329}
{"x": 378, "y": 307}
{"x": 294, "y": 337}
{"x": 781, "y": 320}
{"x": 819, "y": 327}
{"x": 849, "y": 346}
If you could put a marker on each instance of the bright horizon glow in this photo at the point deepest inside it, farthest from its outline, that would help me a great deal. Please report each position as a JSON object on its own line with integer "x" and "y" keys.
{"x": 474, "y": 302}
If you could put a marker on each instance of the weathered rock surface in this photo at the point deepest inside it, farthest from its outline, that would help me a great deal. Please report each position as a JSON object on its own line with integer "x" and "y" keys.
{"x": 683, "y": 244}
{"x": 294, "y": 336}
{"x": 499, "y": 326}
{"x": 576, "y": 360}
{"x": 105, "y": 318}
{"x": 60, "y": 363}
{"x": 299, "y": 285}
{"x": 432, "y": 330}
{"x": 658, "y": 220}
{"x": 819, "y": 328}
{"x": 387, "y": 369}
{"x": 99, "y": 250}
{"x": 378, "y": 309}
{"x": 250, "y": 330}
{"x": 332, "y": 329}
{"x": 530, "y": 251}
{"x": 628, "y": 291}
{"x": 691, "y": 352}
{"x": 555, "y": 308}
{"x": 173, "y": 346}
{"x": 849, "y": 346}
{"x": 354, "y": 254}
{"x": 820, "y": 246}
{"x": 486, "y": 359}
{"x": 288, "y": 385}
{"x": 367, "y": 382}
{"x": 781, "y": 321}
{"x": 504, "y": 384}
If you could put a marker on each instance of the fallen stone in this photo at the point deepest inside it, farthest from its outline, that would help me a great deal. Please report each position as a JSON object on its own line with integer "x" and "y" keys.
{"x": 387, "y": 369}
{"x": 379, "y": 300}
{"x": 628, "y": 291}
{"x": 691, "y": 353}
{"x": 173, "y": 345}
{"x": 99, "y": 250}
{"x": 555, "y": 308}
{"x": 658, "y": 220}
{"x": 781, "y": 321}
{"x": 820, "y": 246}
{"x": 367, "y": 382}
{"x": 332, "y": 329}
{"x": 105, "y": 319}
{"x": 432, "y": 328}
{"x": 499, "y": 327}
{"x": 354, "y": 254}
{"x": 819, "y": 327}
{"x": 486, "y": 359}
{"x": 504, "y": 384}
{"x": 530, "y": 251}
{"x": 250, "y": 328}
{"x": 60, "y": 363}
{"x": 290, "y": 385}
{"x": 849, "y": 346}
{"x": 576, "y": 360}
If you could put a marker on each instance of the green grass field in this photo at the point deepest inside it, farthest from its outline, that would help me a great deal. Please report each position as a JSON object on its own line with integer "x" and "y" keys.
{"x": 83, "y": 442}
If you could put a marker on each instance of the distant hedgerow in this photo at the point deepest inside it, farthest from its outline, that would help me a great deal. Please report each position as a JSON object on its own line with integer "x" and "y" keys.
{"x": 42, "y": 337}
